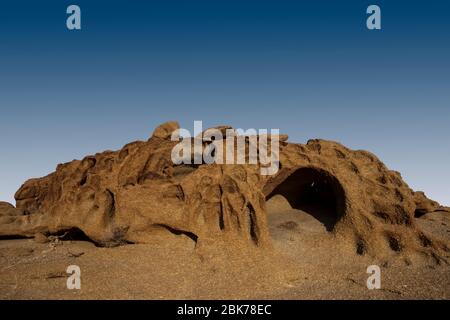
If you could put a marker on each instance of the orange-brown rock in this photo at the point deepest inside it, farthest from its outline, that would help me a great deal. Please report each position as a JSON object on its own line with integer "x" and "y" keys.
{"x": 137, "y": 194}
{"x": 165, "y": 130}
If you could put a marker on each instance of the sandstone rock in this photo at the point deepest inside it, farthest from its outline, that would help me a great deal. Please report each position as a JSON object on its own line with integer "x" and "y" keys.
{"x": 206, "y": 134}
{"x": 444, "y": 209}
{"x": 7, "y": 209}
{"x": 138, "y": 195}
{"x": 283, "y": 137}
{"x": 165, "y": 130}
{"x": 423, "y": 204}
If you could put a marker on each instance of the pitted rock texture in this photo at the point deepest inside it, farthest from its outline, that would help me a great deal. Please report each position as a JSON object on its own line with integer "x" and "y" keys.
{"x": 137, "y": 195}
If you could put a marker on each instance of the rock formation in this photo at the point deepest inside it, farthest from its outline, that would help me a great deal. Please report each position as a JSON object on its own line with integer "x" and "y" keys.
{"x": 137, "y": 194}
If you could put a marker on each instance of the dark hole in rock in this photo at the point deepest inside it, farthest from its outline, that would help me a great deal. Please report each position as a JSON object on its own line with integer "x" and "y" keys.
{"x": 360, "y": 247}
{"x": 72, "y": 234}
{"x": 160, "y": 231}
{"x": 394, "y": 243}
{"x": 252, "y": 223}
{"x": 76, "y": 234}
{"x": 315, "y": 192}
{"x": 419, "y": 213}
{"x": 83, "y": 181}
{"x": 13, "y": 237}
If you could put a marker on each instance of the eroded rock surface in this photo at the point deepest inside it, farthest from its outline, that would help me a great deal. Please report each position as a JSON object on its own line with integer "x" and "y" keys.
{"x": 138, "y": 195}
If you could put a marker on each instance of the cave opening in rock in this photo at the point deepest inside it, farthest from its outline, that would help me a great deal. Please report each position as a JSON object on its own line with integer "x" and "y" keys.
{"x": 72, "y": 234}
{"x": 314, "y": 191}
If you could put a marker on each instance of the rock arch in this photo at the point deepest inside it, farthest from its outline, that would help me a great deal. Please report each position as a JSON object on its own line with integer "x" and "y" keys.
{"x": 117, "y": 196}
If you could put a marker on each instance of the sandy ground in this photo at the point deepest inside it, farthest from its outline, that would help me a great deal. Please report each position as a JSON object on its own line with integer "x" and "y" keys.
{"x": 307, "y": 263}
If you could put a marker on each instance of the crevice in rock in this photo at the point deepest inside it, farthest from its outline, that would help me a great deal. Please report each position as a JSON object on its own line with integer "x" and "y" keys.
{"x": 14, "y": 237}
{"x": 83, "y": 181}
{"x": 72, "y": 234}
{"x": 252, "y": 223}
{"x": 221, "y": 212}
{"x": 112, "y": 204}
{"x": 178, "y": 232}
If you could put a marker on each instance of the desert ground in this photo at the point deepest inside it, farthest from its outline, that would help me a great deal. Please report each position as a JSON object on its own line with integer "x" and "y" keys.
{"x": 307, "y": 262}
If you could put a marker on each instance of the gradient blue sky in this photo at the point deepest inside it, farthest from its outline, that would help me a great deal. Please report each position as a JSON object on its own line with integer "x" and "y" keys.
{"x": 310, "y": 68}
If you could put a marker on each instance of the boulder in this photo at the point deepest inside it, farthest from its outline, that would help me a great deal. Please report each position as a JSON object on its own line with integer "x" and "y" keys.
{"x": 165, "y": 130}
{"x": 137, "y": 195}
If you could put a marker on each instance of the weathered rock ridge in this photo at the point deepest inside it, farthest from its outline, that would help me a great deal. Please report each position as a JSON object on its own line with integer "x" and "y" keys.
{"x": 137, "y": 195}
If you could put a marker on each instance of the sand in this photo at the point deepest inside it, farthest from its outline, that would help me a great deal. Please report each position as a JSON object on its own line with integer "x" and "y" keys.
{"x": 307, "y": 262}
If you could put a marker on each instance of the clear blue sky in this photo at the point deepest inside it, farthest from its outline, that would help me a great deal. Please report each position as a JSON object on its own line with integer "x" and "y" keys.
{"x": 310, "y": 68}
